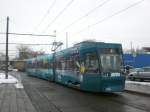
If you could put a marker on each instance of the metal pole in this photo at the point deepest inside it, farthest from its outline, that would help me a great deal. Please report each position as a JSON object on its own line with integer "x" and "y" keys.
{"x": 6, "y": 69}
{"x": 66, "y": 40}
{"x": 54, "y": 67}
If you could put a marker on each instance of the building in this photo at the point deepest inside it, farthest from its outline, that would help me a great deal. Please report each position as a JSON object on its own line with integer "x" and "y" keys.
{"x": 137, "y": 61}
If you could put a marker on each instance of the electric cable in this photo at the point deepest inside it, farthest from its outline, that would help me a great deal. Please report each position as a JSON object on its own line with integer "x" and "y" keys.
{"x": 85, "y": 15}
{"x": 30, "y": 34}
{"x": 61, "y": 12}
{"x": 108, "y": 17}
{"x": 46, "y": 14}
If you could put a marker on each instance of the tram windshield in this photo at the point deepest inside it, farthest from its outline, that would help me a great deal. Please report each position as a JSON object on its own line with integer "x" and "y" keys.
{"x": 111, "y": 60}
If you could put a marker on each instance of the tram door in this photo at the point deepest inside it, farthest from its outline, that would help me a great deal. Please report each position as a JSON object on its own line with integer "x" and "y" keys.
{"x": 91, "y": 76}
{"x": 91, "y": 63}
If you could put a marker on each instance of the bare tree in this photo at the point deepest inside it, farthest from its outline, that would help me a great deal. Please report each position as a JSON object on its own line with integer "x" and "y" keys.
{"x": 26, "y": 52}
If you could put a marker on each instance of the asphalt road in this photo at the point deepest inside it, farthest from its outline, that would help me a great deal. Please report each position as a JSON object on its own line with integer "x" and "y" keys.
{"x": 51, "y": 97}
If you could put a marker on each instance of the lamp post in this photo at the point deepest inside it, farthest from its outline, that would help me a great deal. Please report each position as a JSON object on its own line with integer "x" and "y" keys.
{"x": 6, "y": 61}
{"x": 55, "y": 46}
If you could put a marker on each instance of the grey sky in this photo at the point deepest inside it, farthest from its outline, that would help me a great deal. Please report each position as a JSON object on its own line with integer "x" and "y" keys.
{"x": 25, "y": 15}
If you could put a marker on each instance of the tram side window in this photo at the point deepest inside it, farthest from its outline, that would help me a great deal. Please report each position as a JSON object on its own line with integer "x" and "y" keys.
{"x": 58, "y": 65}
{"x": 34, "y": 64}
{"x": 39, "y": 64}
{"x": 28, "y": 65}
{"x": 63, "y": 65}
{"x": 70, "y": 64}
{"x": 45, "y": 63}
{"x": 50, "y": 65}
{"x": 91, "y": 63}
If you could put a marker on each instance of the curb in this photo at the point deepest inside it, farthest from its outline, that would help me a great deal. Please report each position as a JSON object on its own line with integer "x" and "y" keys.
{"x": 137, "y": 92}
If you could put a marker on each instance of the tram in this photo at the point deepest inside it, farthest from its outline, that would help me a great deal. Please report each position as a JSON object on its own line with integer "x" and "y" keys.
{"x": 89, "y": 66}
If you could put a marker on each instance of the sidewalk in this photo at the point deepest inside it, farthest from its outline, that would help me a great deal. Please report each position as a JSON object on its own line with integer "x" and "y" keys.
{"x": 13, "y": 97}
{"x": 138, "y": 87}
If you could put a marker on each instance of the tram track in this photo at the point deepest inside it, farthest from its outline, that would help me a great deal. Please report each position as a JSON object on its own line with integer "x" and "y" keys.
{"x": 41, "y": 103}
{"x": 139, "y": 107}
{"x": 118, "y": 99}
{"x": 37, "y": 92}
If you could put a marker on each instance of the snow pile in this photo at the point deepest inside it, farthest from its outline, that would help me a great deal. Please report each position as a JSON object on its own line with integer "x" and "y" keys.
{"x": 138, "y": 83}
{"x": 15, "y": 70}
{"x": 18, "y": 85}
{"x": 10, "y": 80}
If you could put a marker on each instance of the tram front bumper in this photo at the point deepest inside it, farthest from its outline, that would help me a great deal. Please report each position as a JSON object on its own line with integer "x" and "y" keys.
{"x": 98, "y": 83}
{"x": 112, "y": 84}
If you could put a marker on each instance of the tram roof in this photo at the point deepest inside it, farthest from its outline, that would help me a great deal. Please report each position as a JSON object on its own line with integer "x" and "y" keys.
{"x": 81, "y": 45}
{"x": 85, "y": 45}
{"x": 97, "y": 44}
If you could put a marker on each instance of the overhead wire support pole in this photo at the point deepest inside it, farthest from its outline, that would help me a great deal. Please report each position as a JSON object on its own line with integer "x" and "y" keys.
{"x": 66, "y": 39}
{"x": 7, "y": 30}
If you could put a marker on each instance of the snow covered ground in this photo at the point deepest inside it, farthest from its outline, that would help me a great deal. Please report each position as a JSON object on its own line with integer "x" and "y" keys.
{"x": 11, "y": 80}
{"x": 138, "y": 83}
{"x": 141, "y": 87}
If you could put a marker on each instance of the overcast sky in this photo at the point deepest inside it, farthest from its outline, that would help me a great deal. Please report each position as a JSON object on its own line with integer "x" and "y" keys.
{"x": 46, "y": 16}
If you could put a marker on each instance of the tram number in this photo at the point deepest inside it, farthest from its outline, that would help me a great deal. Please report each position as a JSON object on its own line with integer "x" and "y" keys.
{"x": 115, "y": 74}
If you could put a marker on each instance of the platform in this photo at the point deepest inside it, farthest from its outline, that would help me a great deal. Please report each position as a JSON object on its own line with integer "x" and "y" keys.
{"x": 13, "y": 98}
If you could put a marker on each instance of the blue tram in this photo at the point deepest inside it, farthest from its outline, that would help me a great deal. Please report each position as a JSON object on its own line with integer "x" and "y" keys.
{"x": 89, "y": 66}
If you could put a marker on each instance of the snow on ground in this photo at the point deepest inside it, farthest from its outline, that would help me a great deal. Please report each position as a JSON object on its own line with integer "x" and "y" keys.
{"x": 138, "y": 83}
{"x": 18, "y": 85}
{"x": 10, "y": 80}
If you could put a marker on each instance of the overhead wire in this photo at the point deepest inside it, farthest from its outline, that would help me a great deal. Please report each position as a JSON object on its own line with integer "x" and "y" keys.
{"x": 1, "y": 20}
{"x": 30, "y": 34}
{"x": 46, "y": 14}
{"x": 23, "y": 44}
{"x": 61, "y": 12}
{"x": 85, "y": 15}
{"x": 108, "y": 17}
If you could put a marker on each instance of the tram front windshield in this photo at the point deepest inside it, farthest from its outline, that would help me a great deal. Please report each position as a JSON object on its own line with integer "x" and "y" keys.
{"x": 111, "y": 60}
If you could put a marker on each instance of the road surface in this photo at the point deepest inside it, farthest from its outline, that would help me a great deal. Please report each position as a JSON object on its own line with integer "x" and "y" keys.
{"x": 51, "y": 97}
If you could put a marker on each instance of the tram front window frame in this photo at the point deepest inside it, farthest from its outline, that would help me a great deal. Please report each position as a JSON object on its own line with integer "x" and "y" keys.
{"x": 111, "y": 59}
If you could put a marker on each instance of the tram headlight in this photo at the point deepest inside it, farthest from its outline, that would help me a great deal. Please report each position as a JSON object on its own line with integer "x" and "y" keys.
{"x": 108, "y": 89}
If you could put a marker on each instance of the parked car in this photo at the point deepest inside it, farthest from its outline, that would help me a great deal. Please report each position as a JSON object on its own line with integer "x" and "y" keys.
{"x": 139, "y": 74}
{"x": 146, "y": 69}
{"x": 10, "y": 68}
